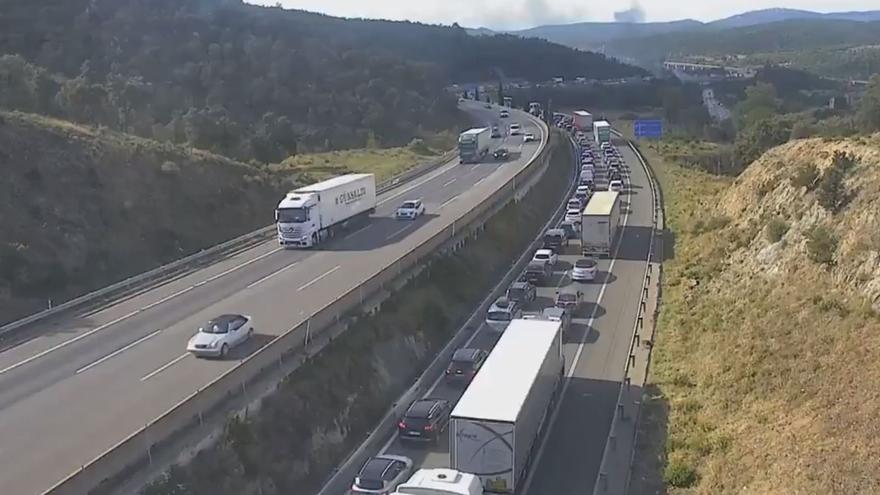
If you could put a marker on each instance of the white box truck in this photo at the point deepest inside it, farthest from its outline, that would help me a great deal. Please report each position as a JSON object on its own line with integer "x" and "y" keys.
{"x": 311, "y": 214}
{"x": 602, "y": 132}
{"x": 473, "y": 144}
{"x": 582, "y": 120}
{"x": 440, "y": 481}
{"x": 497, "y": 425}
{"x": 599, "y": 223}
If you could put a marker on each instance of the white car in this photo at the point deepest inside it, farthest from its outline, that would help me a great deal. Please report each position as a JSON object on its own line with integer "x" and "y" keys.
{"x": 573, "y": 215}
{"x": 515, "y": 129}
{"x": 382, "y": 474}
{"x": 504, "y": 114}
{"x": 528, "y": 137}
{"x": 615, "y": 185}
{"x": 584, "y": 270}
{"x": 218, "y": 336}
{"x": 546, "y": 255}
{"x": 410, "y": 209}
{"x": 501, "y": 313}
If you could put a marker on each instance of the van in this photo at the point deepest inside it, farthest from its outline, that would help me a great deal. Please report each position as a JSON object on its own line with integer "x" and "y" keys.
{"x": 501, "y": 313}
{"x": 441, "y": 481}
{"x": 538, "y": 272}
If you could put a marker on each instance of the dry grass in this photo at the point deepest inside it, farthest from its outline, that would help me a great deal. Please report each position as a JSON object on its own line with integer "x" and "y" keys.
{"x": 765, "y": 359}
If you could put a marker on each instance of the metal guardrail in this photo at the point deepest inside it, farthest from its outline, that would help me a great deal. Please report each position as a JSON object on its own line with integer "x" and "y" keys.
{"x": 191, "y": 409}
{"x": 621, "y": 411}
{"x": 241, "y": 241}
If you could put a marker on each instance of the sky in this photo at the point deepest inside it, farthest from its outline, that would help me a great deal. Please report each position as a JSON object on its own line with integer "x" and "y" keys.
{"x": 518, "y": 14}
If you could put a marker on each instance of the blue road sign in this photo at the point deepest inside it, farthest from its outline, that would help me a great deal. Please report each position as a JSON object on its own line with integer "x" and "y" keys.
{"x": 648, "y": 129}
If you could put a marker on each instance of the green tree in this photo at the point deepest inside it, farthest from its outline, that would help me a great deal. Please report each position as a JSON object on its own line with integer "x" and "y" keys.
{"x": 760, "y": 103}
{"x": 764, "y": 134}
{"x": 832, "y": 190}
{"x": 869, "y": 107}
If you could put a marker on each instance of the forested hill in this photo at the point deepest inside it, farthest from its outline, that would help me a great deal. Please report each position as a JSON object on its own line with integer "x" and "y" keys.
{"x": 255, "y": 82}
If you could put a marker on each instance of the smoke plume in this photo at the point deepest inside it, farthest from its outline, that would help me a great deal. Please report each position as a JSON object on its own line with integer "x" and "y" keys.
{"x": 632, "y": 14}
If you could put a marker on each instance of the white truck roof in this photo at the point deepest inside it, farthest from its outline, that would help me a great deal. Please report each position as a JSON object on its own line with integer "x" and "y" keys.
{"x": 475, "y": 130}
{"x": 330, "y": 183}
{"x": 441, "y": 481}
{"x": 601, "y": 203}
{"x": 501, "y": 386}
{"x": 582, "y": 113}
{"x": 601, "y": 123}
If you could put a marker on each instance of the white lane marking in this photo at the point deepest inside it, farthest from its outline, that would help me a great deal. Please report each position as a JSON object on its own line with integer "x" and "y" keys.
{"x": 450, "y": 200}
{"x": 398, "y": 232}
{"x": 267, "y": 277}
{"x": 450, "y": 181}
{"x": 414, "y": 185}
{"x": 356, "y": 232}
{"x": 577, "y": 358}
{"x": 164, "y": 367}
{"x": 318, "y": 278}
{"x": 481, "y": 180}
{"x": 118, "y": 352}
{"x": 67, "y": 342}
{"x": 238, "y": 267}
{"x": 167, "y": 298}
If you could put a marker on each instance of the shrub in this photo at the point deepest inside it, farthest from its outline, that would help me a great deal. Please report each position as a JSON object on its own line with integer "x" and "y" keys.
{"x": 679, "y": 474}
{"x": 832, "y": 190}
{"x": 821, "y": 245}
{"x": 805, "y": 176}
{"x": 776, "y": 229}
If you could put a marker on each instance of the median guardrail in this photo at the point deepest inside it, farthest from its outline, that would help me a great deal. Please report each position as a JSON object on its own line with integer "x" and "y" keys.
{"x": 191, "y": 410}
{"x": 259, "y": 235}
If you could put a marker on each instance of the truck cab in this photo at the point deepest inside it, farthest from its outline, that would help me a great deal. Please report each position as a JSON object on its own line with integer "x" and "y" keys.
{"x": 296, "y": 223}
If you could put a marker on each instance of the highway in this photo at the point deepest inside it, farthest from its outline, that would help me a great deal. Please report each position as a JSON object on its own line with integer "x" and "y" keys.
{"x": 596, "y": 348}
{"x": 79, "y": 384}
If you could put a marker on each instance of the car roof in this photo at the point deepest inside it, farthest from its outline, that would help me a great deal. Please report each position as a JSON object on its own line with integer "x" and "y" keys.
{"x": 556, "y": 231}
{"x": 585, "y": 263}
{"x": 520, "y": 285}
{"x": 544, "y": 251}
{"x": 422, "y": 407}
{"x": 225, "y": 318}
{"x": 465, "y": 354}
{"x": 376, "y": 468}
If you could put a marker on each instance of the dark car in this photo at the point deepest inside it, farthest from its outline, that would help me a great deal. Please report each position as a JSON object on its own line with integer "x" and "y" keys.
{"x": 425, "y": 419}
{"x": 496, "y": 133}
{"x": 538, "y": 272}
{"x": 555, "y": 239}
{"x": 570, "y": 229}
{"x": 465, "y": 364}
{"x": 501, "y": 154}
{"x": 522, "y": 292}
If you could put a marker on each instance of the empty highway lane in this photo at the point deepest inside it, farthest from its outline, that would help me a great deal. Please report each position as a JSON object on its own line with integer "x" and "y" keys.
{"x": 85, "y": 382}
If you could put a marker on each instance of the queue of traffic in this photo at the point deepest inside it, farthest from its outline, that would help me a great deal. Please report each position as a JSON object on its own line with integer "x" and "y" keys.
{"x": 496, "y": 426}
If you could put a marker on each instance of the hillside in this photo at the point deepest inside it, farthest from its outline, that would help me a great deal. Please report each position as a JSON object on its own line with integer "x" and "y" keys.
{"x": 83, "y": 208}
{"x": 765, "y": 377}
{"x": 594, "y": 35}
{"x": 766, "y": 16}
{"x": 254, "y": 82}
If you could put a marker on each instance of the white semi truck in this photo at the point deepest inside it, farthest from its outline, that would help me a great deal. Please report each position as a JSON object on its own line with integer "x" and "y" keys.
{"x": 473, "y": 144}
{"x": 599, "y": 223}
{"x": 311, "y": 214}
{"x": 601, "y": 132}
{"x": 497, "y": 425}
{"x": 582, "y": 120}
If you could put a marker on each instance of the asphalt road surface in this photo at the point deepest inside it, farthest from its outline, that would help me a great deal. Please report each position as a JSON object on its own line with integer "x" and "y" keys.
{"x": 596, "y": 348}
{"x": 82, "y": 383}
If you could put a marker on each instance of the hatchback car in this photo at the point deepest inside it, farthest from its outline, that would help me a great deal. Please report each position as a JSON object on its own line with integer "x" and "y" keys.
{"x": 528, "y": 137}
{"x": 410, "y": 209}
{"x": 522, "y": 292}
{"x": 382, "y": 474}
{"x": 515, "y": 129}
{"x": 569, "y": 300}
{"x": 546, "y": 255}
{"x": 504, "y": 114}
{"x": 554, "y": 239}
{"x": 216, "y": 337}
{"x": 501, "y": 154}
{"x": 573, "y": 215}
{"x": 501, "y": 313}
{"x": 426, "y": 419}
{"x": 615, "y": 185}
{"x": 584, "y": 270}
{"x": 465, "y": 364}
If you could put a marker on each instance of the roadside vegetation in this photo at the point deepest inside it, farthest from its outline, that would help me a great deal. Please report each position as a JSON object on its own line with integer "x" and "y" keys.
{"x": 326, "y": 407}
{"x": 764, "y": 374}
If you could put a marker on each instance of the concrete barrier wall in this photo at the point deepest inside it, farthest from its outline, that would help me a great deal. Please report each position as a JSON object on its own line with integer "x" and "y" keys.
{"x": 135, "y": 448}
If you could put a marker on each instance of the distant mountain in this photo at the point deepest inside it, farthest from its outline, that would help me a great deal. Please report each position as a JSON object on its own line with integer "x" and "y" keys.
{"x": 594, "y": 34}
{"x": 767, "y": 16}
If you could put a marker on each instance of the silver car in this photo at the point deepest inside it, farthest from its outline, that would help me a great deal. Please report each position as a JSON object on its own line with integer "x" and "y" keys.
{"x": 382, "y": 474}
{"x": 216, "y": 337}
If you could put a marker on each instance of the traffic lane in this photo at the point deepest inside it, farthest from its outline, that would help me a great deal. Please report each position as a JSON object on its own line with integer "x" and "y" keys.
{"x": 576, "y": 441}
{"x": 61, "y": 362}
{"x": 54, "y": 332}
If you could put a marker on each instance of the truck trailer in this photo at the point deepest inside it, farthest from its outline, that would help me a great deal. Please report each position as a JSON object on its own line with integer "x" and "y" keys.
{"x": 599, "y": 223}
{"x": 583, "y": 120}
{"x": 311, "y": 214}
{"x": 473, "y": 144}
{"x": 497, "y": 425}
{"x": 601, "y": 132}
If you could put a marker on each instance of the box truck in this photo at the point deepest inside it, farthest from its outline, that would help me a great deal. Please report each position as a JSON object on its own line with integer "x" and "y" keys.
{"x": 535, "y": 108}
{"x": 497, "y": 426}
{"x": 600, "y": 222}
{"x": 473, "y": 144}
{"x": 602, "y": 132}
{"x": 311, "y": 214}
{"x": 582, "y": 120}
